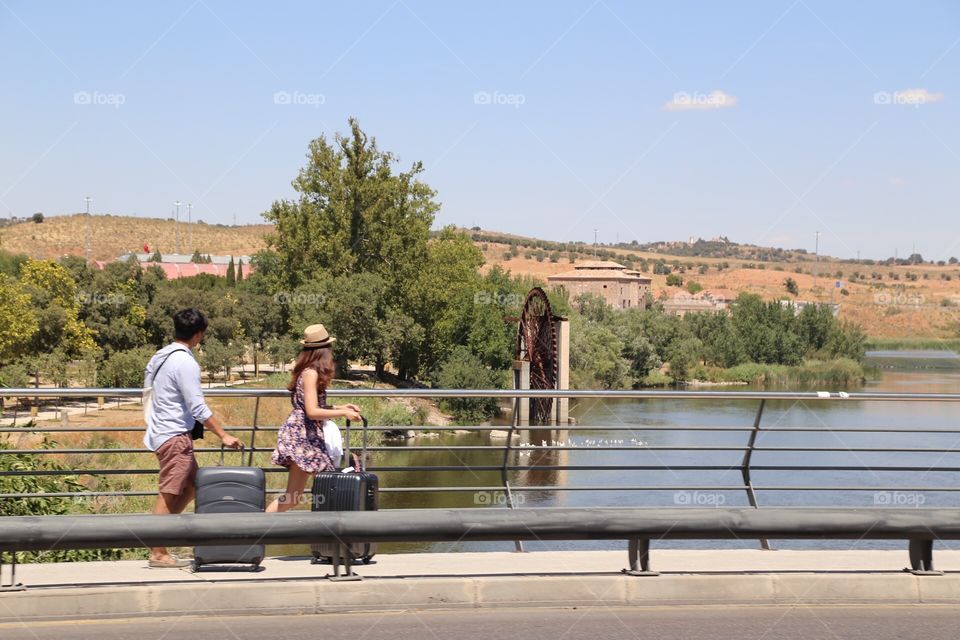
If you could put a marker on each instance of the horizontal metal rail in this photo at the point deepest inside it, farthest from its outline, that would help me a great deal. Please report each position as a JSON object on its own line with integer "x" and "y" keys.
{"x": 66, "y": 392}
{"x": 638, "y": 526}
{"x": 36, "y": 533}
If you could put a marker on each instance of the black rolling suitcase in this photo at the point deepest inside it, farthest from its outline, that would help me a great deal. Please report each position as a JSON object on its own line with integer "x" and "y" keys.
{"x": 352, "y": 491}
{"x": 230, "y": 490}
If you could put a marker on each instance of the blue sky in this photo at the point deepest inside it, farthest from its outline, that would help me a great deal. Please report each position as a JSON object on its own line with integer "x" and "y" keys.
{"x": 762, "y": 121}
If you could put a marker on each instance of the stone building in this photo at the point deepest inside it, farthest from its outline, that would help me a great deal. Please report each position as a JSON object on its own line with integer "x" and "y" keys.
{"x": 620, "y": 287}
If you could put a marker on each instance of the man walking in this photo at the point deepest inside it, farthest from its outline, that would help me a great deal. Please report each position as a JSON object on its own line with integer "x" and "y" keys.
{"x": 177, "y": 405}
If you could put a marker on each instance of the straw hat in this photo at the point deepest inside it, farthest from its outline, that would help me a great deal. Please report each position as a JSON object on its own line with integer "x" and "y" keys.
{"x": 316, "y": 336}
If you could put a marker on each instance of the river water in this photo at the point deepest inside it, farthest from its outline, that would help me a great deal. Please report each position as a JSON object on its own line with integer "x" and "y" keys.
{"x": 922, "y": 372}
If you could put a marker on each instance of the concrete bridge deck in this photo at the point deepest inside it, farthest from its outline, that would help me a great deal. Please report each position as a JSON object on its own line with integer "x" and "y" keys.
{"x": 481, "y": 580}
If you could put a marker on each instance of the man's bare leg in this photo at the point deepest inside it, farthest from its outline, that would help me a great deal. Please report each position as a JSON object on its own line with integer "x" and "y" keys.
{"x": 170, "y": 504}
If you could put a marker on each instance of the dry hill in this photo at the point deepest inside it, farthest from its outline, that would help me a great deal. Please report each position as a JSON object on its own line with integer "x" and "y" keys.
{"x": 115, "y": 235}
{"x": 888, "y": 301}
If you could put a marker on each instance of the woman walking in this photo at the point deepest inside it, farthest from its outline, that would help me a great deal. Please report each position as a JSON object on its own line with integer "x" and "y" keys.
{"x": 300, "y": 444}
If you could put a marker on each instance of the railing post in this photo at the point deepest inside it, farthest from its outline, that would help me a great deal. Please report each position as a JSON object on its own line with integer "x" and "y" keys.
{"x": 921, "y": 557}
{"x": 745, "y": 466}
{"x": 13, "y": 585}
{"x": 504, "y": 474}
{"x": 638, "y": 554}
{"x": 253, "y": 435}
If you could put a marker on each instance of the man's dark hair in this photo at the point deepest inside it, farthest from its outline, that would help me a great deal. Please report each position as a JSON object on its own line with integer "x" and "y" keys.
{"x": 187, "y": 322}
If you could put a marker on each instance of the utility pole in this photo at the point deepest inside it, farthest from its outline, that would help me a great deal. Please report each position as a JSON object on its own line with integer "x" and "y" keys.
{"x": 88, "y": 239}
{"x": 595, "y": 233}
{"x": 816, "y": 264}
{"x": 190, "y": 227}
{"x": 176, "y": 224}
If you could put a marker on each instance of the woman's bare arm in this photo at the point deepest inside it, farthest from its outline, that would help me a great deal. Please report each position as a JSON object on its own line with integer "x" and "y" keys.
{"x": 311, "y": 404}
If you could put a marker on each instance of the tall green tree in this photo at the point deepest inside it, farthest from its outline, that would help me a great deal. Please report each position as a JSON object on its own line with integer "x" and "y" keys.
{"x": 354, "y": 213}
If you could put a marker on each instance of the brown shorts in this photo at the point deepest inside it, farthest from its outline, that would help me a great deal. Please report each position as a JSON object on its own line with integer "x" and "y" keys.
{"x": 178, "y": 466}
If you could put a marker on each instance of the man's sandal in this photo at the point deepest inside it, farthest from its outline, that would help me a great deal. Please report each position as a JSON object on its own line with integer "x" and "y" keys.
{"x": 172, "y": 563}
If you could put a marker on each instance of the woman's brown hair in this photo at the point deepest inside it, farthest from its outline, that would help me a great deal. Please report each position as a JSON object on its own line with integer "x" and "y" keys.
{"x": 319, "y": 359}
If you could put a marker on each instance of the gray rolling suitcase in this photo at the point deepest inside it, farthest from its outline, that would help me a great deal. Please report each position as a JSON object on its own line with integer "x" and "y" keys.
{"x": 338, "y": 491}
{"x": 230, "y": 490}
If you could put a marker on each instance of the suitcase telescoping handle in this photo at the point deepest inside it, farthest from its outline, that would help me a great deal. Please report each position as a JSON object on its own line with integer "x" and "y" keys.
{"x": 346, "y": 443}
{"x": 240, "y": 451}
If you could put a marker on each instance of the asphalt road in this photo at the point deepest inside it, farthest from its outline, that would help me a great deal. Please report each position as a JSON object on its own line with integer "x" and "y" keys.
{"x": 930, "y": 622}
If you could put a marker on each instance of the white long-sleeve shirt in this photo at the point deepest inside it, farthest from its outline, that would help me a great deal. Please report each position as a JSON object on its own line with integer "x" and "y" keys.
{"x": 177, "y": 396}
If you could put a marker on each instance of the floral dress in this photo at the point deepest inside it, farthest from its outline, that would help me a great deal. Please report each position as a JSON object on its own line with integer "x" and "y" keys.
{"x": 300, "y": 440}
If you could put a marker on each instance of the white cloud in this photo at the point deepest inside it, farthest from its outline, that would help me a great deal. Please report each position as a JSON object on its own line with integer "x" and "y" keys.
{"x": 687, "y": 101}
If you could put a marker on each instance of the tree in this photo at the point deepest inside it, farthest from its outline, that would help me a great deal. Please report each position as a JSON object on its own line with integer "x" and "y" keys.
{"x": 463, "y": 370}
{"x": 596, "y": 356}
{"x": 354, "y": 213}
{"x": 18, "y": 322}
{"x": 694, "y": 287}
{"x": 674, "y": 280}
{"x": 124, "y": 369}
{"x": 218, "y": 356}
{"x": 240, "y": 271}
{"x": 157, "y": 256}
{"x": 231, "y": 273}
{"x": 847, "y": 340}
{"x": 10, "y": 262}
{"x": 54, "y": 300}
{"x": 791, "y": 286}
{"x": 683, "y": 356}
{"x": 449, "y": 268}
{"x": 37, "y": 217}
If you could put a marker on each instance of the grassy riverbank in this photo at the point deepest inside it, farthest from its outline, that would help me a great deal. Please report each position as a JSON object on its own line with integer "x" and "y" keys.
{"x": 841, "y": 372}
{"x": 913, "y": 344}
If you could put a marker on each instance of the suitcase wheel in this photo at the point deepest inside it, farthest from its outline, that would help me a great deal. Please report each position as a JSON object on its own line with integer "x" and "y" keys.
{"x": 194, "y": 566}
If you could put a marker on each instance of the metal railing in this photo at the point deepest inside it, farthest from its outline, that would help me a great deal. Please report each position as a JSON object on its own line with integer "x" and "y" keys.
{"x": 512, "y": 478}
{"x": 507, "y": 462}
